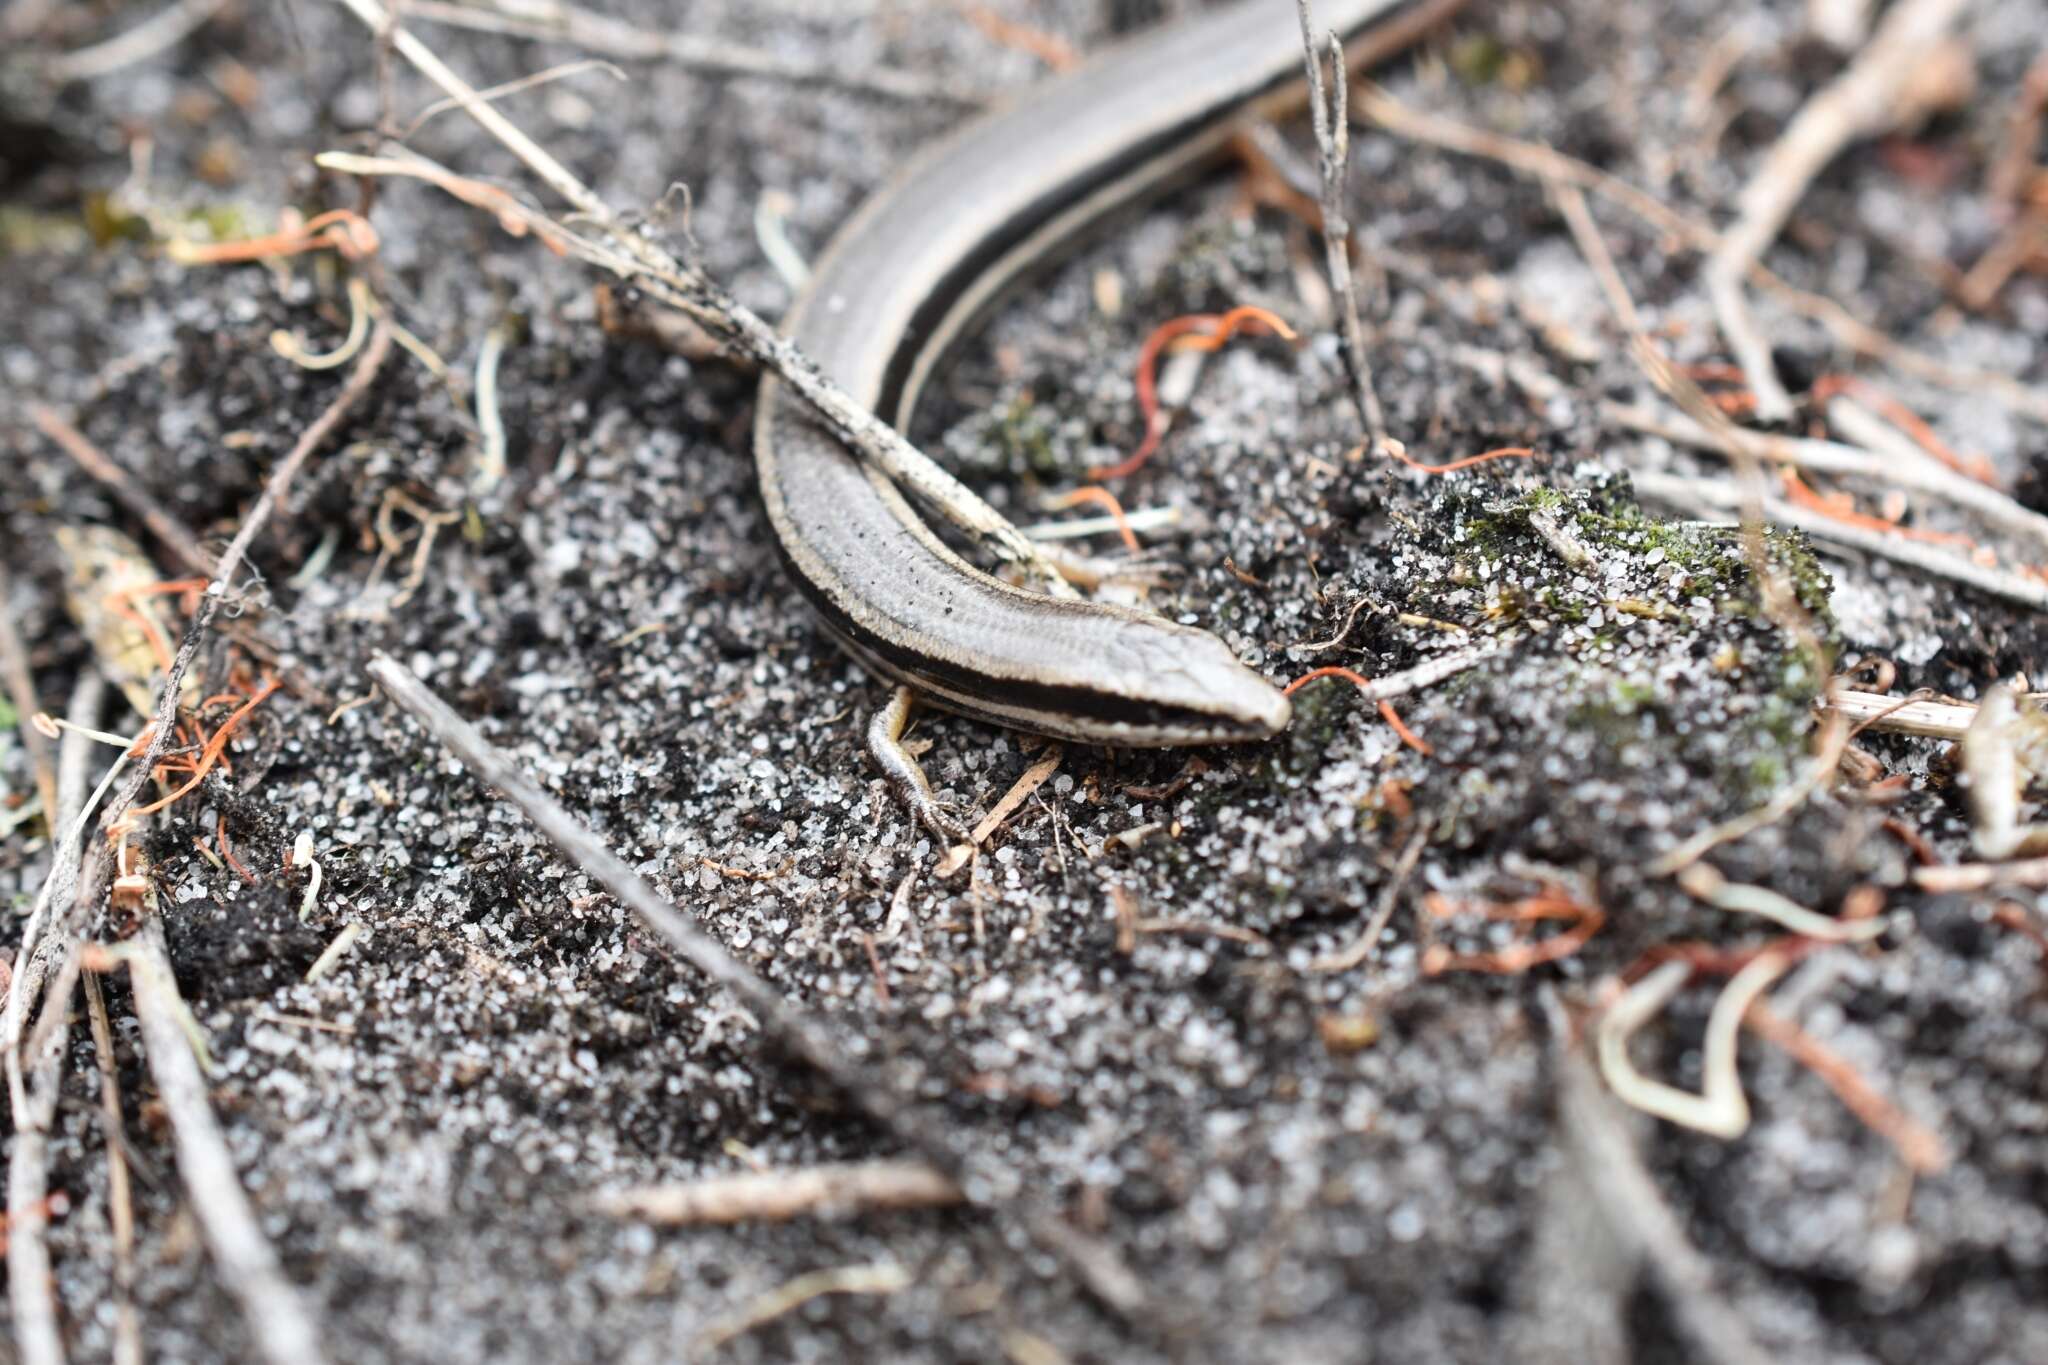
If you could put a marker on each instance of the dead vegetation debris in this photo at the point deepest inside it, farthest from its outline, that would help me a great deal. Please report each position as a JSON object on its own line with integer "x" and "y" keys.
{"x": 1732, "y": 821}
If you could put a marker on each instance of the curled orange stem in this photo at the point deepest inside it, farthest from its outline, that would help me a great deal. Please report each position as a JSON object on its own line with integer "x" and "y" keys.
{"x": 1196, "y": 332}
{"x": 1387, "y": 711}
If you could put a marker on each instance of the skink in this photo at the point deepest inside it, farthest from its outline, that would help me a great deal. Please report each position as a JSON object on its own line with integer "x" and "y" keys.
{"x": 897, "y": 286}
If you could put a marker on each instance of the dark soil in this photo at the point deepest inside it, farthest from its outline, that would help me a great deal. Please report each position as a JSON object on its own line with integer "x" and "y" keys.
{"x": 1351, "y": 1165}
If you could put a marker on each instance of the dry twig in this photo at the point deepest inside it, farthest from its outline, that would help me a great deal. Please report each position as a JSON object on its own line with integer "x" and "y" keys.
{"x": 490, "y": 423}
{"x": 549, "y": 20}
{"x": 167, "y": 27}
{"x": 2028, "y": 873}
{"x": 1186, "y": 928}
{"x": 662, "y": 277}
{"x": 31, "y": 1288}
{"x": 59, "y": 912}
{"x": 2006, "y": 181}
{"x": 1094, "y": 1265}
{"x": 1919, "y": 1146}
{"x": 1917, "y": 474}
{"x": 1779, "y": 601}
{"x": 1596, "y": 1138}
{"x": 121, "y": 484}
{"x": 1900, "y": 716}
{"x": 230, "y": 562}
{"x": 1390, "y": 896}
{"x": 120, "y": 1204}
{"x": 1703, "y": 882}
{"x": 1892, "y": 429}
{"x": 1020, "y": 792}
{"x": 1874, "y": 93}
{"x": 2023, "y": 244}
{"x": 1538, "y": 162}
{"x": 1834, "y": 737}
{"x": 1552, "y": 903}
{"x": 1716, "y": 495}
{"x": 881, "y": 1278}
{"x": 830, "y": 1191}
{"x": 1720, "y": 1108}
{"x": 1332, "y": 121}
{"x": 283, "y": 1325}
{"x": 1054, "y": 51}
{"x": 21, "y": 693}
{"x": 34, "y": 1075}
{"x": 1431, "y": 671}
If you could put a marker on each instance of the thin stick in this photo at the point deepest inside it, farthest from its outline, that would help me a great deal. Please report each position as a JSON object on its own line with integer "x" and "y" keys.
{"x": 1704, "y": 881}
{"x": 1537, "y": 162}
{"x": 600, "y": 33}
{"x": 284, "y": 1326}
{"x": 34, "y": 1080}
{"x": 513, "y": 87}
{"x": 1343, "y": 631}
{"x": 1332, "y": 122}
{"x": 274, "y": 491}
{"x": 1095, "y": 1265}
{"x": 1779, "y": 602}
{"x": 2023, "y": 241}
{"x": 1404, "y": 866}
{"x": 2023, "y": 873}
{"x": 1678, "y": 491}
{"x": 120, "y": 1203}
{"x": 1020, "y": 792}
{"x": 1834, "y": 737}
{"x": 1720, "y": 1108}
{"x": 1917, "y": 474}
{"x": 168, "y": 26}
{"x": 31, "y": 1287}
{"x": 1919, "y": 1146}
{"x": 2010, "y": 167}
{"x": 1892, "y": 715}
{"x": 32, "y": 959}
{"x": 21, "y": 693}
{"x": 634, "y": 255}
{"x": 1429, "y": 672}
{"x": 883, "y": 1277}
{"x": 829, "y": 1191}
{"x": 490, "y": 423}
{"x": 121, "y": 484}
{"x": 1871, "y": 95}
{"x": 55, "y": 901}
{"x": 1145, "y": 519}
{"x": 1595, "y": 1137}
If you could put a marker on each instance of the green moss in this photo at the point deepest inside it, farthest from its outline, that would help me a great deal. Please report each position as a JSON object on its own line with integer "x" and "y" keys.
{"x": 223, "y": 222}
{"x": 1710, "y": 556}
{"x": 1630, "y": 695}
{"x": 108, "y": 222}
{"x": 101, "y": 221}
{"x": 1320, "y": 710}
{"x": 1482, "y": 59}
{"x": 26, "y": 232}
{"x": 1618, "y": 710}
{"x": 1646, "y": 677}
{"x": 1019, "y": 433}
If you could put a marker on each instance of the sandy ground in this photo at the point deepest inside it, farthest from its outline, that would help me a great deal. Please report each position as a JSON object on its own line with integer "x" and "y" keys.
{"x": 1405, "y": 1159}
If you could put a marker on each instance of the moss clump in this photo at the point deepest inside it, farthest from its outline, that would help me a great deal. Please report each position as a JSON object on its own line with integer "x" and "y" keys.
{"x": 1017, "y": 437}
{"x": 1608, "y": 590}
{"x": 1022, "y": 434}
